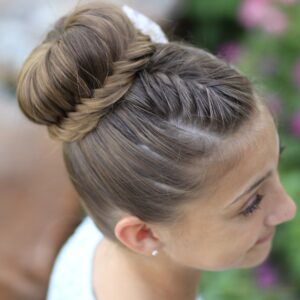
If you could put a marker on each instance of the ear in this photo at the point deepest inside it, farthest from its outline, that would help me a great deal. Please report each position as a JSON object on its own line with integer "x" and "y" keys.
{"x": 137, "y": 235}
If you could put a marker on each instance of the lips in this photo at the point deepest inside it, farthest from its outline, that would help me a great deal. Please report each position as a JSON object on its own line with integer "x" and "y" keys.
{"x": 265, "y": 238}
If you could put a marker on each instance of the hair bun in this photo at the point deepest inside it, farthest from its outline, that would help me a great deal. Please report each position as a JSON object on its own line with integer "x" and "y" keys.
{"x": 83, "y": 66}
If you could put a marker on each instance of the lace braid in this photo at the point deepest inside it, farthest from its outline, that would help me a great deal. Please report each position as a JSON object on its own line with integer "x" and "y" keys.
{"x": 88, "y": 113}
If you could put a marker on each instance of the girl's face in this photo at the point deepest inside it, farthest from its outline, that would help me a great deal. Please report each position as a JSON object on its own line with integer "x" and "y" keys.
{"x": 235, "y": 225}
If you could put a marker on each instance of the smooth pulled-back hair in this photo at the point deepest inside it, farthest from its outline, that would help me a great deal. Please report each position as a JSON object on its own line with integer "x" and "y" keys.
{"x": 134, "y": 116}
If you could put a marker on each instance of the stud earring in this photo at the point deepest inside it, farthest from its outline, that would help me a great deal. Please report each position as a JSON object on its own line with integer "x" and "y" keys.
{"x": 154, "y": 252}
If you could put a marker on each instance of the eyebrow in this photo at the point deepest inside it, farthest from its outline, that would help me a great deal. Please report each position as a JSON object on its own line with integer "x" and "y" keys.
{"x": 259, "y": 181}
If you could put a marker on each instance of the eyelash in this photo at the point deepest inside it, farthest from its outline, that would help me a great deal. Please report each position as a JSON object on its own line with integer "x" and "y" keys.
{"x": 253, "y": 206}
{"x": 282, "y": 147}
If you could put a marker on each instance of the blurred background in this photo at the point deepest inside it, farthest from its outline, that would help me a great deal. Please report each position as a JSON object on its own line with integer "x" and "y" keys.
{"x": 38, "y": 206}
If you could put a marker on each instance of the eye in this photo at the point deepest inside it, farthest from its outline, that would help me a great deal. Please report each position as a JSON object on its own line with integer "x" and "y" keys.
{"x": 253, "y": 206}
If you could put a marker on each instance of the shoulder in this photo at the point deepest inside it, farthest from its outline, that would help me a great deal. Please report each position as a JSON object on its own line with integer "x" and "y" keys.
{"x": 71, "y": 277}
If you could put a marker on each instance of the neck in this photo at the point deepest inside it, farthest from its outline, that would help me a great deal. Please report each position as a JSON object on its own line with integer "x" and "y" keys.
{"x": 147, "y": 277}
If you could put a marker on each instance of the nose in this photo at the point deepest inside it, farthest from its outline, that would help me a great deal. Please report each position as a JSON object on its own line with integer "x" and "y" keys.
{"x": 283, "y": 210}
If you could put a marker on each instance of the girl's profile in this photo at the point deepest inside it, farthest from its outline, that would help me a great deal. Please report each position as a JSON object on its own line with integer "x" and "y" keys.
{"x": 172, "y": 151}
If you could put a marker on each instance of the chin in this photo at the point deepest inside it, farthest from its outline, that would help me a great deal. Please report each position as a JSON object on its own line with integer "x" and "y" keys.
{"x": 253, "y": 264}
{"x": 256, "y": 256}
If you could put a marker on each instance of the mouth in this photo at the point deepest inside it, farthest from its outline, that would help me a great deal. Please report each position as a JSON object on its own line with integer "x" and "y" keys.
{"x": 265, "y": 238}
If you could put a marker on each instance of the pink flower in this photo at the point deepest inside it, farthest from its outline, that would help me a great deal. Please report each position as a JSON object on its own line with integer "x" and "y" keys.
{"x": 274, "y": 22}
{"x": 295, "y": 124}
{"x": 252, "y": 12}
{"x": 263, "y": 13}
{"x": 267, "y": 276}
{"x": 297, "y": 73}
{"x": 230, "y": 51}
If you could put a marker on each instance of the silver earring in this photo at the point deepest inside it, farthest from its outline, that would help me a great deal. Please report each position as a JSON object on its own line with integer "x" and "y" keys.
{"x": 154, "y": 252}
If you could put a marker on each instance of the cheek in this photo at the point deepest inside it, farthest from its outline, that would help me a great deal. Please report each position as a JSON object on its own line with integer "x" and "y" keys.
{"x": 243, "y": 235}
{"x": 215, "y": 244}
{"x": 224, "y": 246}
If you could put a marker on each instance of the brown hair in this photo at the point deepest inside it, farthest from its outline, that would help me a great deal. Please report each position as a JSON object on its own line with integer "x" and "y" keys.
{"x": 134, "y": 116}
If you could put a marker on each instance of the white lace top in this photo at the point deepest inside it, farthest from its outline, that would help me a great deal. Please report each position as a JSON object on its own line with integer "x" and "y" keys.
{"x": 71, "y": 277}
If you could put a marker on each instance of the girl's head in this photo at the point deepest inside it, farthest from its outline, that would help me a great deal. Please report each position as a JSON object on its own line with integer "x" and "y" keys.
{"x": 158, "y": 139}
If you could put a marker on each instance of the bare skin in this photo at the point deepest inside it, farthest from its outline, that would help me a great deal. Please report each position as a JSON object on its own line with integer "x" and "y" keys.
{"x": 214, "y": 236}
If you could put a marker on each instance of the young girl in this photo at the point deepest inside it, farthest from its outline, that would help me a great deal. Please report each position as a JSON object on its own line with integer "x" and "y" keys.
{"x": 172, "y": 152}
